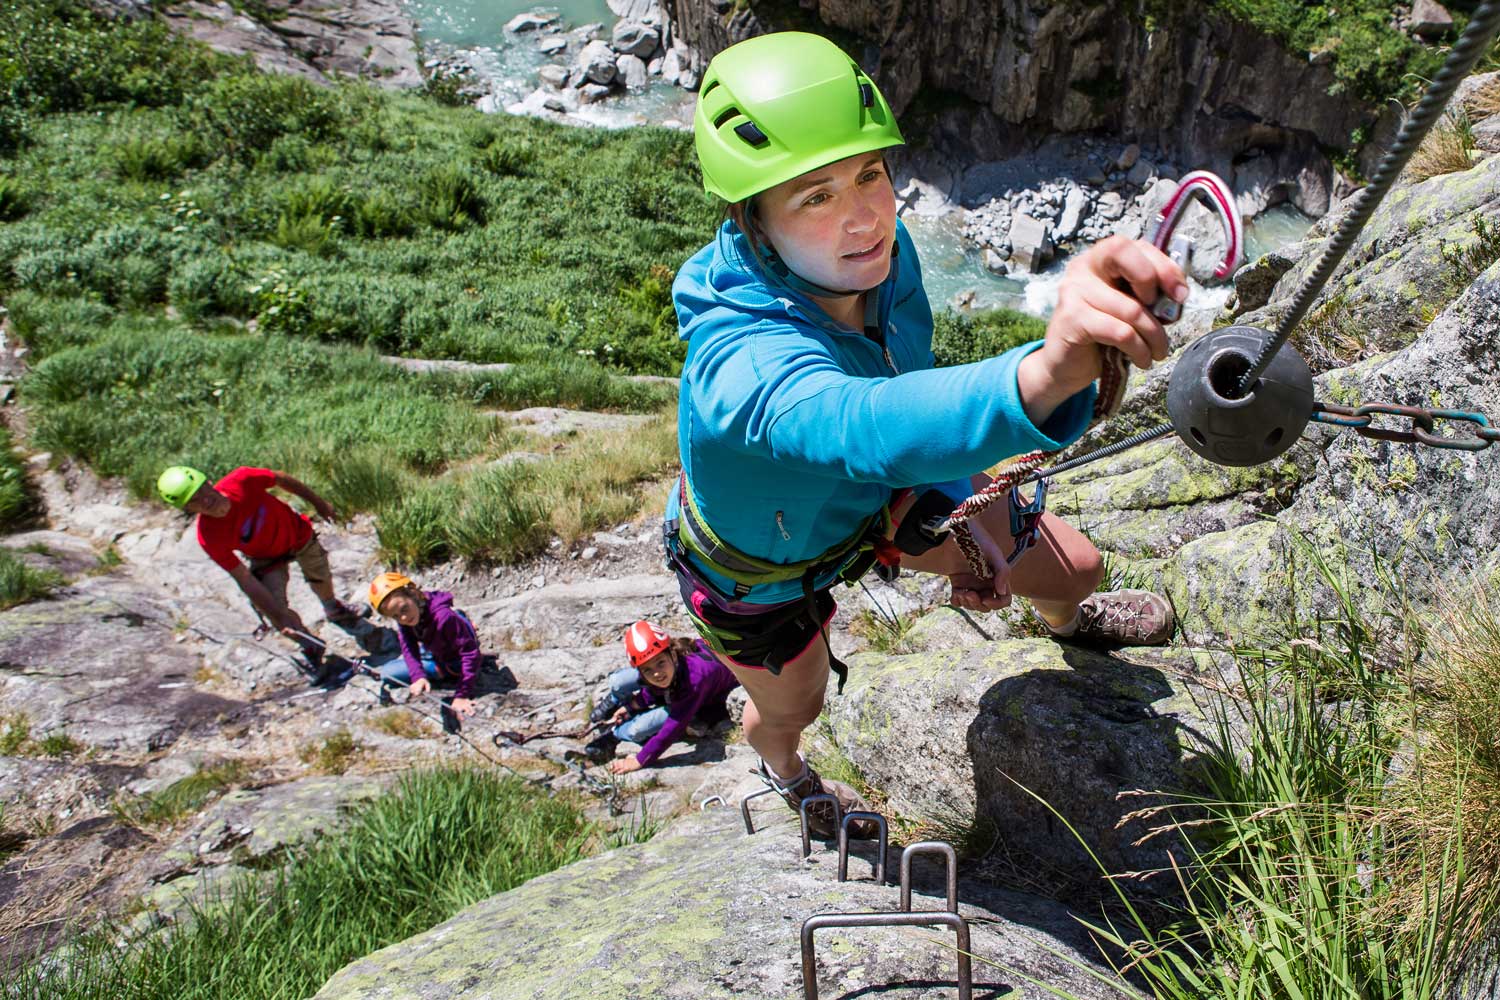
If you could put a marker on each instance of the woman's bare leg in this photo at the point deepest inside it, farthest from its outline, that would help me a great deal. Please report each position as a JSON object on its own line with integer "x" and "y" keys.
{"x": 783, "y": 705}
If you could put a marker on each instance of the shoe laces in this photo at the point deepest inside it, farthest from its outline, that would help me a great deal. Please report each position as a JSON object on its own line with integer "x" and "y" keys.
{"x": 1123, "y": 613}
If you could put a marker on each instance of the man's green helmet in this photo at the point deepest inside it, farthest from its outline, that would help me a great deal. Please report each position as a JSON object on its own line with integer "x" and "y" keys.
{"x": 779, "y": 105}
{"x": 178, "y": 484}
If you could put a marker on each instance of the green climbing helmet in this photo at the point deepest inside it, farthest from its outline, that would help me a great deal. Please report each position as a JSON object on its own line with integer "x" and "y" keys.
{"x": 178, "y": 484}
{"x": 779, "y": 105}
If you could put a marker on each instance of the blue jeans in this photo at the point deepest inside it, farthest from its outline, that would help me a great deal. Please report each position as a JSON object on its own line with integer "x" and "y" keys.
{"x": 624, "y": 683}
{"x": 398, "y": 672}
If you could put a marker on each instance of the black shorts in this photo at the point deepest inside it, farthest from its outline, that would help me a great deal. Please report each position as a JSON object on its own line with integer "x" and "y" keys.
{"x": 767, "y": 640}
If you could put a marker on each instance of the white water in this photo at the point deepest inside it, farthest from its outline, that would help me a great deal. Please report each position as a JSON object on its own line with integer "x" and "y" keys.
{"x": 474, "y": 28}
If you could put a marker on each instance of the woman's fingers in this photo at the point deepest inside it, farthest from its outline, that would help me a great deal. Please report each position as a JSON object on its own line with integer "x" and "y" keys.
{"x": 1117, "y": 320}
{"x": 1143, "y": 267}
{"x": 975, "y": 593}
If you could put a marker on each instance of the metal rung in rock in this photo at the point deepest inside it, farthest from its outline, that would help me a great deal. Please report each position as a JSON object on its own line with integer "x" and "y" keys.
{"x": 935, "y": 918}
{"x": 745, "y": 807}
{"x": 929, "y": 847}
{"x": 880, "y": 838}
{"x": 838, "y": 818}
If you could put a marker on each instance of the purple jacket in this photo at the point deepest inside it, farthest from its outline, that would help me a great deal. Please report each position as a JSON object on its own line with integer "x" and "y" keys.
{"x": 449, "y": 640}
{"x": 706, "y": 680}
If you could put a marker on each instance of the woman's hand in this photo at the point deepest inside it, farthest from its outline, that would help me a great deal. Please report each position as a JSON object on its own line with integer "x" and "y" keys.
{"x": 975, "y": 593}
{"x": 621, "y": 714}
{"x": 420, "y": 686}
{"x": 464, "y": 707}
{"x": 1104, "y": 300}
{"x": 625, "y": 766}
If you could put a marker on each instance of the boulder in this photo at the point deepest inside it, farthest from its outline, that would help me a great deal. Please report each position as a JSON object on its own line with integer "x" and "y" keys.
{"x": 1128, "y": 156}
{"x": 634, "y": 38}
{"x": 531, "y": 21}
{"x": 956, "y": 738}
{"x": 1031, "y": 242}
{"x": 1430, "y": 20}
{"x": 671, "y": 66}
{"x": 1075, "y": 207}
{"x": 553, "y": 75}
{"x": 596, "y": 63}
{"x": 1111, "y": 206}
{"x": 632, "y": 72}
{"x": 704, "y": 912}
{"x": 1487, "y": 134}
{"x": 551, "y": 45}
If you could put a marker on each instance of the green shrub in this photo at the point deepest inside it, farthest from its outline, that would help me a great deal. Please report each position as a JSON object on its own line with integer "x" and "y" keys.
{"x": 209, "y": 286}
{"x": 246, "y": 113}
{"x": 1466, "y": 261}
{"x": 960, "y": 339}
{"x": 15, "y": 201}
{"x": 380, "y": 215}
{"x": 155, "y": 158}
{"x": 506, "y": 159}
{"x": 61, "y": 55}
{"x": 15, "y": 735}
{"x": 308, "y": 233}
{"x": 450, "y": 198}
{"x": 47, "y": 324}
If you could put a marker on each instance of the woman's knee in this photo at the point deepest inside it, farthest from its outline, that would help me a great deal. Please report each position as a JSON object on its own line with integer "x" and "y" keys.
{"x": 791, "y": 716}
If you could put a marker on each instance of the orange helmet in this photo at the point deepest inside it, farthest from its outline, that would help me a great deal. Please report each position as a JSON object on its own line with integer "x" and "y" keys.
{"x": 384, "y": 585}
{"x": 643, "y": 640}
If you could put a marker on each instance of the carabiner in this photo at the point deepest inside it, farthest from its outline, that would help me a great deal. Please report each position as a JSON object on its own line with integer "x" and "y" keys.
{"x": 1211, "y": 189}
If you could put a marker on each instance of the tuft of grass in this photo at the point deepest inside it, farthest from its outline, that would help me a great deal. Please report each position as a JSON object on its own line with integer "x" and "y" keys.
{"x": 182, "y": 797}
{"x": 439, "y": 841}
{"x": 883, "y": 634}
{"x": 20, "y": 583}
{"x": 333, "y": 754}
{"x": 108, "y": 560}
{"x": 1484, "y": 102}
{"x": 1447, "y": 149}
{"x": 15, "y": 735}
{"x": 57, "y": 744}
{"x": 1465, "y": 261}
{"x": 18, "y": 504}
{"x": 450, "y": 199}
{"x": 400, "y": 723}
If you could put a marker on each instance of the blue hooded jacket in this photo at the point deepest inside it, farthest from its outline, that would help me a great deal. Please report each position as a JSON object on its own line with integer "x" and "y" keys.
{"x": 794, "y": 428}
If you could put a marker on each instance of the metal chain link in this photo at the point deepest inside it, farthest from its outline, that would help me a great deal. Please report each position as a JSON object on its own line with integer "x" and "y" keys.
{"x": 1421, "y": 427}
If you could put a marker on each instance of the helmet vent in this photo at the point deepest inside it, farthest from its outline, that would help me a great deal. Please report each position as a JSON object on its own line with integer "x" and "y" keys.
{"x": 725, "y": 116}
{"x": 751, "y": 134}
{"x": 867, "y": 95}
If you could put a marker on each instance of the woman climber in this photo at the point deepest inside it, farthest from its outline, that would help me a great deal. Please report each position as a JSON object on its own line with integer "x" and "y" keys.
{"x": 814, "y": 431}
{"x": 438, "y": 642}
{"x": 670, "y": 686}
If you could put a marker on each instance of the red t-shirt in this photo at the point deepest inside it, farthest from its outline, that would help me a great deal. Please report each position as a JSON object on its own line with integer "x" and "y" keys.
{"x": 258, "y": 524}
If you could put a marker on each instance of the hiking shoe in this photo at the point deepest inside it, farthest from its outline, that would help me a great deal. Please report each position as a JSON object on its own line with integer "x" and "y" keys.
{"x": 697, "y": 730}
{"x": 601, "y": 748}
{"x": 820, "y": 819}
{"x": 340, "y": 613}
{"x": 607, "y": 706}
{"x": 1126, "y": 617}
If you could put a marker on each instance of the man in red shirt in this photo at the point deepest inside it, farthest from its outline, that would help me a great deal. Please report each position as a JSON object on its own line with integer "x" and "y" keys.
{"x": 236, "y": 514}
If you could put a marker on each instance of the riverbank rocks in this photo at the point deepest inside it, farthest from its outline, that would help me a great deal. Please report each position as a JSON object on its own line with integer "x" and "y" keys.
{"x": 705, "y": 912}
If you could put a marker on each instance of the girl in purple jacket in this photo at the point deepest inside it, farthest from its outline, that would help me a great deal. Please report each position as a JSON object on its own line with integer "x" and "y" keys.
{"x": 669, "y": 684}
{"x": 438, "y": 642}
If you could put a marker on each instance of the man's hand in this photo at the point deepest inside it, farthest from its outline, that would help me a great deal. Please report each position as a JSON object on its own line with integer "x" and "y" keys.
{"x": 420, "y": 686}
{"x": 289, "y": 624}
{"x": 325, "y": 511}
{"x": 1103, "y": 301}
{"x": 625, "y": 765}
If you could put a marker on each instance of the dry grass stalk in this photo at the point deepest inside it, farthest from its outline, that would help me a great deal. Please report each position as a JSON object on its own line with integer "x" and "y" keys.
{"x": 1445, "y": 150}
{"x": 1485, "y": 101}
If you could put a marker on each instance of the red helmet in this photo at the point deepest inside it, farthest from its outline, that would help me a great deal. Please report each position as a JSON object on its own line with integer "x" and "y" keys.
{"x": 643, "y": 641}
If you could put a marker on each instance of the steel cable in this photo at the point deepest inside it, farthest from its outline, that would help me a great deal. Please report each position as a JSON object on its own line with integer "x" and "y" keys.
{"x": 1482, "y": 28}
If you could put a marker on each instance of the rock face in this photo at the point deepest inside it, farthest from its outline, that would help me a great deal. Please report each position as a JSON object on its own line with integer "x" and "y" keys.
{"x": 311, "y": 38}
{"x": 956, "y": 737}
{"x": 703, "y": 912}
{"x": 1208, "y": 90}
{"x": 1398, "y": 322}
